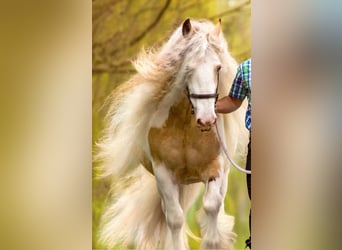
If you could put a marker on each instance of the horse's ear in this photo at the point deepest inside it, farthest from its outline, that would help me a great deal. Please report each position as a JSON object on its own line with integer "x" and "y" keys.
{"x": 217, "y": 29}
{"x": 186, "y": 27}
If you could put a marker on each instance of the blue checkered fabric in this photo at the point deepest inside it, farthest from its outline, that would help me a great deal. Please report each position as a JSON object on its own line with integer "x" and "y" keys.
{"x": 241, "y": 88}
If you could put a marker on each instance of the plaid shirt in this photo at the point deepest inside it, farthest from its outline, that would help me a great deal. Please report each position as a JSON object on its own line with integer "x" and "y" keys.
{"x": 242, "y": 87}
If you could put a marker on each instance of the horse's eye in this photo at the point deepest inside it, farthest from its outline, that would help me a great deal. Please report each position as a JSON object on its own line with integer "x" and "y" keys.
{"x": 218, "y": 67}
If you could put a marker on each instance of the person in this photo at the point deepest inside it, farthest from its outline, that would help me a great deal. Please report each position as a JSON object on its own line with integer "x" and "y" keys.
{"x": 240, "y": 89}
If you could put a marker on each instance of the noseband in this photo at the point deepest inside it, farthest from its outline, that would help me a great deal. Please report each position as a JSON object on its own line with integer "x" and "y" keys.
{"x": 202, "y": 96}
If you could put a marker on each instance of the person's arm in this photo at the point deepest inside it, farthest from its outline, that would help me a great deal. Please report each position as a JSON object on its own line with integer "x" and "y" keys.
{"x": 228, "y": 104}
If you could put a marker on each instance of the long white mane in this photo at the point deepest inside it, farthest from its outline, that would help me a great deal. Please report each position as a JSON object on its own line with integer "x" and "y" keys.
{"x": 145, "y": 99}
{"x": 144, "y": 102}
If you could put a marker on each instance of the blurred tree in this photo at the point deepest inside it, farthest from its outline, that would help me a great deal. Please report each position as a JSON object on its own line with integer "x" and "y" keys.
{"x": 121, "y": 28}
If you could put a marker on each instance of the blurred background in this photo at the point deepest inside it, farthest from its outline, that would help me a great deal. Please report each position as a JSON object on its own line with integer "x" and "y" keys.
{"x": 47, "y": 101}
{"x": 120, "y": 30}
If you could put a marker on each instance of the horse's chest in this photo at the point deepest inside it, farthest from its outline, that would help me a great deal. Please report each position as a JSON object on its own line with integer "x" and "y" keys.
{"x": 188, "y": 152}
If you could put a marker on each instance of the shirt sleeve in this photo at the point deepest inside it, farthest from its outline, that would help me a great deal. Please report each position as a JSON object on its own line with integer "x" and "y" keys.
{"x": 238, "y": 89}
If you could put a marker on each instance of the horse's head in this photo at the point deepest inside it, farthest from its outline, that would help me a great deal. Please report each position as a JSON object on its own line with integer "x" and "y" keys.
{"x": 203, "y": 78}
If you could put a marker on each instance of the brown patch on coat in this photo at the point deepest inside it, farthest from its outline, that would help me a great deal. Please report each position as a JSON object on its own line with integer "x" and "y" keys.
{"x": 184, "y": 149}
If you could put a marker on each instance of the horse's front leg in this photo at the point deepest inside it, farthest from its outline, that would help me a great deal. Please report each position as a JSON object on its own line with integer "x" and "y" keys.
{"x": 169, "y": 192}
{"x": 216, "y": 226}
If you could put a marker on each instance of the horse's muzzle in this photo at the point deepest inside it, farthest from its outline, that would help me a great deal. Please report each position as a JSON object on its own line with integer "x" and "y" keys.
{"x": 206, "y": 126}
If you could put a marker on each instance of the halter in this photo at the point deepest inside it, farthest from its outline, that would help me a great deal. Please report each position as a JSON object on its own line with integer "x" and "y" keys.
{"x": 200, "y": 96}
{"x": 215, "y": 95}
{"x": 203, "y": 96}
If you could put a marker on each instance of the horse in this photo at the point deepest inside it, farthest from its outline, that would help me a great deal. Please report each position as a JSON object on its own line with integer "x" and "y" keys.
{"x": 160, "y": 144}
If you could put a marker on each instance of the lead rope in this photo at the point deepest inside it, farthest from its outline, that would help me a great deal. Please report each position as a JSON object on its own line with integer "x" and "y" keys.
{"x": 227, "y": 154}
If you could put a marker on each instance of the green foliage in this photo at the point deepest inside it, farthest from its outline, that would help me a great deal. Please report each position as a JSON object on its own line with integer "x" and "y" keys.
{"x": 121, "y": 29}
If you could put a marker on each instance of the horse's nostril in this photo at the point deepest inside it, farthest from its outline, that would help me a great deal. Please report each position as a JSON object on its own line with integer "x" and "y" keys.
{"x": 199, "y": 121}
{"x": 207, "y": 123}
